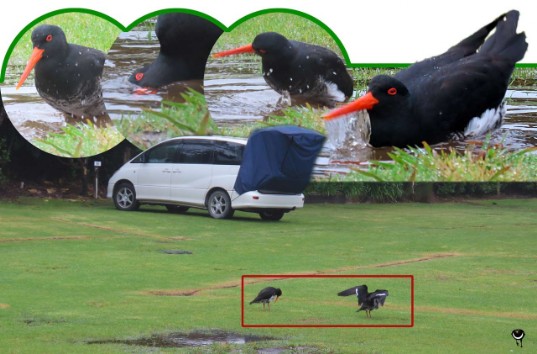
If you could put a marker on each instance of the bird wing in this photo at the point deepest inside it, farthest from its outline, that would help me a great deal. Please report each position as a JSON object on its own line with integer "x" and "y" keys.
{"x": 360, "y": 291}
{"x": 88, "y": 61}
{"x": 264, "y": 294}
{"x": 326, "y": 64}
{"x": 473, "y": 85}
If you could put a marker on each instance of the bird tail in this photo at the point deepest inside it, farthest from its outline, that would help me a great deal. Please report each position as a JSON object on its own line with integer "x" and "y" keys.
{"x": 472, "y": 43}
{"x": 505, "y": 42}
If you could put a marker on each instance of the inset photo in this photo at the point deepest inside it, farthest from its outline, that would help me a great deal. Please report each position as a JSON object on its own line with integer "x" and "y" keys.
{"x": 270, "y": 63}
{"x": 327, "y": 301}
{"x": 154, "y": 90}
{"x": 53, "y": 89}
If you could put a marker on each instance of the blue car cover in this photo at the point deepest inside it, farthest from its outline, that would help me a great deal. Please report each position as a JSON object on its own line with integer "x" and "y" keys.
{"x": 278, "y": 160}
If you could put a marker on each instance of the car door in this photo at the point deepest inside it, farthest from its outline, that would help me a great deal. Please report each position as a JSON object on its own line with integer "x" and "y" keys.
{"x": 227, "y": 160}
{"x": 155, "y": 172}
{"x": 191, "y": 175}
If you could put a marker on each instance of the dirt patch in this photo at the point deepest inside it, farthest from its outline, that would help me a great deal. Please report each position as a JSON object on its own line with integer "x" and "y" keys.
{"x": 4, "y": 306}
{"x": 193, "y": 339}
{"x": 470, "y": 312}
{"x": 122, "y": 231}
{"x": 289, "y": 349}
{"x": 175, "y": 252}
{"x": 235, "y": 283}
{"x": 54, "y": 238}
{"x": 189, "y": 292}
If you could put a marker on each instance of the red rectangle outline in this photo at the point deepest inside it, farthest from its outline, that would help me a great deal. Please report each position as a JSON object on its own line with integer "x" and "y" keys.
{"x": 285, "y": 276}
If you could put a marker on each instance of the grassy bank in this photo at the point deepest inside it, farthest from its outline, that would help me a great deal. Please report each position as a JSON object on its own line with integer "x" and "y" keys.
{"x": 74, "y": 272}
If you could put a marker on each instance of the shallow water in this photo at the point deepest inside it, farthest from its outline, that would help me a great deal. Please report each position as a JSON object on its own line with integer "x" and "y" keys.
{"x": 193, "y": 339}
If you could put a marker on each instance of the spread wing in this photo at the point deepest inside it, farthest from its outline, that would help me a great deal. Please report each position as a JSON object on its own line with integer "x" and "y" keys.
{"x": 359, "y": 291}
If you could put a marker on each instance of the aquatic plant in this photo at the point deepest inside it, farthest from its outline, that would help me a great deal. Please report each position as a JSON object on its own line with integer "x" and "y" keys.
{"x": 80, "y": 140}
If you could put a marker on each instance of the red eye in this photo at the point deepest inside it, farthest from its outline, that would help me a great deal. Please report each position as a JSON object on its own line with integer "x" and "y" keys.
{"x": 49, "y": 38}
{"x": 392, "y": 91}
{"x": 139, "y": 76}
{"x": 262, "y": 51}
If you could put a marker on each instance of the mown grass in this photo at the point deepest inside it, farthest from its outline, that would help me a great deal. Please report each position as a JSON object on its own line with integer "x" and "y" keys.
{"x": 75, "y": 271}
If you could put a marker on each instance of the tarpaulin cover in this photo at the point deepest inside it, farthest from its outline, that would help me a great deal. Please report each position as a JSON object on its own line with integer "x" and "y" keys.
{"x": 278, "y": 160}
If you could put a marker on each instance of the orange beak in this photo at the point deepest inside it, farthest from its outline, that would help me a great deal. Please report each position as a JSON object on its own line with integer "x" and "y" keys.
{"x": 276, "y": 300}
{"x": 367, "y": 101}
{"x": 240, "y": 50}
{"x": 37, "y": 54}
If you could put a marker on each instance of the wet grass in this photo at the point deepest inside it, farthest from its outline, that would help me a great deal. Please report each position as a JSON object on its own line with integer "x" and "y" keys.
{"x": 80, "y": 140}
{"x": 79, "y": 271}
{"x": 189, "y": 117}
{"x": 488, "y": 163}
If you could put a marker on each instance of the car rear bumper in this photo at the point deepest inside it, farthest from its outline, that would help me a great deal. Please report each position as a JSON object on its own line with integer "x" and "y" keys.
{"x": 257, "y": 200}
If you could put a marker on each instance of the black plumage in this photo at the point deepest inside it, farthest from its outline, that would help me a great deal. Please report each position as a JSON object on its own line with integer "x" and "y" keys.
{"x": 67, "y": 76}
{"x": 299, "y": 69}
{"x": 518, "y": 335}
{"x": 456, "y": 94}
{"x": 185, "y": 41}
{"x": 266, "y": 296}
{"x": 366, "y": 301}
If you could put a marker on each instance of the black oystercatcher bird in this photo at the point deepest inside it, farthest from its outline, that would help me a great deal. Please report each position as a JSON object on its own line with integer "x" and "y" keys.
{"x": 518, "y": 335}
{"x": 298, "y": 68}
{"x": 366, "y": 301}
{"x": 266, "y": 296}
{"x": 67, "y": 76}
{"x": 456, "y": 94}
{"x": 185, "y": 44}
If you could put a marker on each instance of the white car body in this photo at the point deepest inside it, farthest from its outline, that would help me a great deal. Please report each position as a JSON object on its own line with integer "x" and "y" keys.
{"x": 174, "y": 181}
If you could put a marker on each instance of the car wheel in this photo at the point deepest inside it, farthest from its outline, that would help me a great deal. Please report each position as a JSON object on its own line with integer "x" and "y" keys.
{"x": 125, "y": 197}
{"x": 272, "y": 215}
{"x": 178, "y": 209}
{"x": 219, "y": 205}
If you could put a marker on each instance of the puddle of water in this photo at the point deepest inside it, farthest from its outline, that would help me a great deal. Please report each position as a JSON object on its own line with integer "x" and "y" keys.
{"x": 194, "y": 339}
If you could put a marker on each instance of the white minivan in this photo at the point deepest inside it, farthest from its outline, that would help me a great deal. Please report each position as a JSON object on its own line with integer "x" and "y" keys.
{"x": 197, "y": 172}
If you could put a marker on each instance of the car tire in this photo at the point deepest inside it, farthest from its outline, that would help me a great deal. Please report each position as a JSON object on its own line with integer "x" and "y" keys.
{"x": 177, "y": 209}
{"x": 219, "y": 205}
{"x": 125, "y": 197}
{"x": 271, "y": 215}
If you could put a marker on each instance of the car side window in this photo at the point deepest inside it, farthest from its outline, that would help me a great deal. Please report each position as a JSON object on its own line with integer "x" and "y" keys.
{"x": 165, "y": 153}
{"x": 196, "y": 152}
{"x": 228, "y": 153}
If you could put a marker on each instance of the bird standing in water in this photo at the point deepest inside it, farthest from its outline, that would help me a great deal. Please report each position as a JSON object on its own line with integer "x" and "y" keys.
{"x": 367, "y": 301}
{"x": 299, "y": 69}
{"x": 185, "y": 41}
{"x": 67, "y": 76}
{"x": 266, "y": 296}
{"x": 456, "y": 94}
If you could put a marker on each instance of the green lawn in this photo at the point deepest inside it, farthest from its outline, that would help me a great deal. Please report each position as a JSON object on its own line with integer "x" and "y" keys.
{"x": 74, "y": 271}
